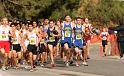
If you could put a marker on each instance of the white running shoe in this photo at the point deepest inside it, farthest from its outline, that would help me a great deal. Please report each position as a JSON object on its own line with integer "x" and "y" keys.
{"x": 3, "y": 68}
{"x": 85, "y": 64}
{"x": 120, "y": 58}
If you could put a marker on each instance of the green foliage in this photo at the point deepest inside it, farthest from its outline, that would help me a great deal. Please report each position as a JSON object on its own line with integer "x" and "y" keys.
{"x": 100, "y": 12}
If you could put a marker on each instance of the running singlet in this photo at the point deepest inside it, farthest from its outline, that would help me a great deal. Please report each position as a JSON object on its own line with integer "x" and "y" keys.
{"x": 32, "y": 38}
{"x": 67, "y": 29}
{"x": 23, "y": 31}
{"x": 50, "y": 32}
{"x": 36, "y": 30}
{"x": 87, "y": 28}
{"x": 4, "y": 33}
{"x": 42, "y": 41}
{"x": 78, "y": 33}
{"x": 17, "y": 38}
{"x": 44, "y": 29}
{"x": 104, "y": 36}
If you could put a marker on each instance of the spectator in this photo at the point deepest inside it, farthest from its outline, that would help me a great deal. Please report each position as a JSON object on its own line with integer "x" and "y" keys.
{"x": 120, "y": 37}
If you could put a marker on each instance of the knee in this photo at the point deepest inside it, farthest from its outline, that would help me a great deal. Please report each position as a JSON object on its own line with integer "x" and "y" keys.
{"x": 68, "y": 52}
{"x": 30, "y": 57}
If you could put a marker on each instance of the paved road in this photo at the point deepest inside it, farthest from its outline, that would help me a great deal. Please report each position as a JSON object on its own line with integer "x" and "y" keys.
{"x": 105, "y": 66}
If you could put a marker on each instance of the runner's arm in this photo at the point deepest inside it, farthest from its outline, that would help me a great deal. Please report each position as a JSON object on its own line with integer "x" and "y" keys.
{"x": 59, "y": 34}
{"x": 21, "y": 36}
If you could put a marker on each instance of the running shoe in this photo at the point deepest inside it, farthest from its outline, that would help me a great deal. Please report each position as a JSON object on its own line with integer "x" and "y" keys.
{"x": 88, "y": 57}
{"x": 71, "y": 62}
{"x": 120, "y": 58}
{"x": 85, "y": 64}
{"x": 53, "y": 65}
{"x": 32, "y": 70}
{"x": 3, "y": 68}
{"x": 41, "y": 65}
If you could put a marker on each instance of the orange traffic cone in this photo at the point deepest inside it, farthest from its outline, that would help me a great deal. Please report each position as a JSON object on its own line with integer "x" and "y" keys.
{"x": 100, "y": 50}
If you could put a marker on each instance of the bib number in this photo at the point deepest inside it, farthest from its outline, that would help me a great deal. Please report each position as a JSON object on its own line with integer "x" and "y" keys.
{"x": 15, "y": 41}
{"x": 104, "y": 38}
{"x": 67, "y": 34}
{"x": 3, "y": 37}
{"x": 42, "y": 41}
{"x": 78, "y": 36}
{"x": 51, "y": 33}
{"x": 32, "y": 41}
{"x": 52, "y": 39}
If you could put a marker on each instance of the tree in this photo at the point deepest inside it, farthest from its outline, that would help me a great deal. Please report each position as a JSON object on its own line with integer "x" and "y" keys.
{"x": 100, "y": 12}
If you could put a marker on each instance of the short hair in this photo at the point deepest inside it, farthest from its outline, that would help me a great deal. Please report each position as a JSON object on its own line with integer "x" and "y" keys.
{"x": 30, "y": 24}
{"x": 12, "y": 24}
{"x": 52, "y": 21}
{"x": 67, "y": 15}
{"x": 23, "y": 23}
{"x": 9, "y": 20}
{"x": 5, "y": 18}
{"x": 78, "y": 18}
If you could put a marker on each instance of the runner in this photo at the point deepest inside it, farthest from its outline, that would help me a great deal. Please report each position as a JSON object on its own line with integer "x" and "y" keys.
{"x": 34, "y": 39}
{"x": 10, "y": 61}
{"x": 42, "y": 49}
{"x": 17, "y": 42}
{"x": 53, "y": 32}
{"x": 62, "y": 44}
{"x": 24, "y": 49}
{"x": 78, "y": 40}
{"x": 104, "y": 37}
{"x": 4, "y": 41}
{"x": 25, "y": 56}
{"x": 45, "y": 28}
{"x": 57, "y": 47}
{"x": 37, "y": 30}
{"x": 67, "y": 27}
{"x": 87, "y": 36}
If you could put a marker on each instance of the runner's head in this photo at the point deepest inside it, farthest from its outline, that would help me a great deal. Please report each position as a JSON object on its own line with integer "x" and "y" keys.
{"x": 10, "y": 21}
{"x": 104, "y": 30}
{"x": 79, "y": 21}
{"x": 58, "y": 22}
{"x": 26, "y": 26}
{"x": 35, "y": 23}
{"x": 23, "y": 25}
{"x": 28, "y": 21}
{"x": 5, "y": 21}
{"x": 51, "y": 23}
{"x": 68, "y": 18}
{"x": 30, "y": 27}
{"x": 13, "y": 26}
{"x": 18, "y": 26}
{"x": 46, "y": 21}
{"x": 82, "y": 21}
{"x": 17, "y": 21}
{"x": 75, "y": 20}
{"x": 86, "y": 20}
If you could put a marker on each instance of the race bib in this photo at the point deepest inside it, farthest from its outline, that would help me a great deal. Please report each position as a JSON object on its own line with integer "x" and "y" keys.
{"x": 42, "y": 41}
{"x": 67, "y": 34}
{"x": 15, "y": 41}
{"x": 78, "y": 36}
{"x": 51, "y": 39}
{"x": 51, "y": 33}
{"x": 3, "y": 37}
{"x": 32, "y": 41}
{"x": 104, "y": 38}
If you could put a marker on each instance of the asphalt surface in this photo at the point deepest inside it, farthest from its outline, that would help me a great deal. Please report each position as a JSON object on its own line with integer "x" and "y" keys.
{"x": 97, "y": 66}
